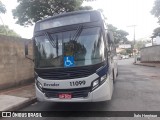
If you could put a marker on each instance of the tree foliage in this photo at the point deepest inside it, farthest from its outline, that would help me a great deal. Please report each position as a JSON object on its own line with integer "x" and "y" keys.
{"x": 4, "y": 30}
{"x": 30, "y": 11}
{"x": 140, "y": 44}
{"x": 2, "y": 8}
{"x": 123, "y": 52}
{"x": 156, "y": 10}
{"x": 156, "y": 32}
{"x": 129, "y": 51}
{"x": 119, "y": 35}
{"x": 85, "y": 8}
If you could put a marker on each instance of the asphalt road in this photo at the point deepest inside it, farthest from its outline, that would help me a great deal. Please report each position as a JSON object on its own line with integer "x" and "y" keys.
{"x": 137, "y": 88}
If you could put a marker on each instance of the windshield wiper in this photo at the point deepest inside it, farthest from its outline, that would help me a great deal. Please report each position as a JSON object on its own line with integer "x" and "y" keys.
{"x": 77, "y": 33}
{"x": 51, "y": 39}
{"x": 53, "y": 42}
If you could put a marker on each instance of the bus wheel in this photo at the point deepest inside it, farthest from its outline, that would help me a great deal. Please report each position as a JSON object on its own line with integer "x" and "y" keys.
{"x": 117, "y": 73}
{"x": 113, "y": 77}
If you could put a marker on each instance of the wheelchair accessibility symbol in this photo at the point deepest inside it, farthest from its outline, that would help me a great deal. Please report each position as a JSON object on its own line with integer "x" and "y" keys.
{"x": 68, "y": 61}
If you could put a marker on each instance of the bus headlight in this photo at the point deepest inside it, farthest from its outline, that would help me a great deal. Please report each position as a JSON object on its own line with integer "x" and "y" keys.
{"x": 103, "y": 78}
{"x": 39, "y": 85}
{"x": 95, "y": 84}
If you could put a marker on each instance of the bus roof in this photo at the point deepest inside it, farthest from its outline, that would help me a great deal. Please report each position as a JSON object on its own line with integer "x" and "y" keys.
{"x": 68, "y": 14}
{"x": 69, "y": 18}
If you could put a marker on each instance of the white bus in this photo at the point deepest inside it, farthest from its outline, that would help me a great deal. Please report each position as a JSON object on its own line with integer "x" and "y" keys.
{"x": 74, "y": 58}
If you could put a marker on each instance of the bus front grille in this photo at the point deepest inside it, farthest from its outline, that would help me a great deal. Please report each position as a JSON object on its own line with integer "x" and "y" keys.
{"x": 67, "y": 73}
{"x": 76, "y": 93}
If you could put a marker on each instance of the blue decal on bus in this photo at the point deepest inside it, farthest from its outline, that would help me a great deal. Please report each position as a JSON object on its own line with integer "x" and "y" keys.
{"x": 68, "y": 61}
{"x": 102, "y": 71}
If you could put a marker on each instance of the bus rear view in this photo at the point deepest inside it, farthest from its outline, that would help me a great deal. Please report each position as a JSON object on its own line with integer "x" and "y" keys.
{"x": 71, "y": 58}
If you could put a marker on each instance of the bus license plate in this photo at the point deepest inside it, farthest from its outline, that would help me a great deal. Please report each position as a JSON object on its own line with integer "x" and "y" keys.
{"x": 65, "y": 96}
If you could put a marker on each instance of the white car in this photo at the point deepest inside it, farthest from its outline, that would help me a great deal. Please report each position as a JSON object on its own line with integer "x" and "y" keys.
{"x": 123, "y": 56}
{"x": 127, "y": 56}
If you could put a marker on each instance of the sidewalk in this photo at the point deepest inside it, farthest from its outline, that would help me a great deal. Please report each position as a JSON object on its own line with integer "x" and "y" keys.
{"x": 147, "y": 64}
{"x": 17, "y": 98}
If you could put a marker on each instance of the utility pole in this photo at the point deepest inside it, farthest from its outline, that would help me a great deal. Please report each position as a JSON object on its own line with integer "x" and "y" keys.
{"x": 152, "y": 39}
{"x": 134, "y": 41}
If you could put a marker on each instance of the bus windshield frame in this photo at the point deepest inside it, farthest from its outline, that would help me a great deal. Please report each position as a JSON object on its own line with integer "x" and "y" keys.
{"x": 87, "y": 42}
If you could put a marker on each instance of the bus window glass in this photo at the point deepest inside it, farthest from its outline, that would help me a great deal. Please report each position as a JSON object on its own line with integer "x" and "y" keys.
{"x": 87, "y": 49}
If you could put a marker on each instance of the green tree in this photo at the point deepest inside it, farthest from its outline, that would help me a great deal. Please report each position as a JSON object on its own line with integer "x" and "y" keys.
{"x": 2, "y": 8}
{"x": 85, "y": 8}
{"x": 156, "y": 32}
{"x": 156, "y": 10}
{"x": 30, "y": 11}
{"x": 123, "y": 52}
{"x": 140, "y": 44}
{"x": 4, "y": 30}
{"x": 120, "y": 36}
{"x": 129, "y": 51}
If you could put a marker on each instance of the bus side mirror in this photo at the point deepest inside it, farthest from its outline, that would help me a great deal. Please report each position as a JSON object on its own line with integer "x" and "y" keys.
{"x": 110, "y": 38}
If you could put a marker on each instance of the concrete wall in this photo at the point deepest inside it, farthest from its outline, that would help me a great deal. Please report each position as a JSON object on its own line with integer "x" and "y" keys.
{"x": 15, "y": 69}
{"x": 150, "y": 54}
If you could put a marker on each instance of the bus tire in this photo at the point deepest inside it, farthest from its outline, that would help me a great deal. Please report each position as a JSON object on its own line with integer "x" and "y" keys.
{"x": 113, "y": 77}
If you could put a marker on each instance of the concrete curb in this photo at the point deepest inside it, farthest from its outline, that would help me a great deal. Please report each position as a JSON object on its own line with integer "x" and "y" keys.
{"x": 22, "y": 105}
{"x": 144, "y": 65}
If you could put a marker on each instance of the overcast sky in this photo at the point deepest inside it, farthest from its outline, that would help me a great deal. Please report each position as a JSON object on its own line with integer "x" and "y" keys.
{"x": 120, "y": 13}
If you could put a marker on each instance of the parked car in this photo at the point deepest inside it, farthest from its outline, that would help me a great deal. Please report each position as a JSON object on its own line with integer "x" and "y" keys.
{"x": 123, "y": 57}
{"x": 119, "y": 57}
{"x": 127, "y": 56}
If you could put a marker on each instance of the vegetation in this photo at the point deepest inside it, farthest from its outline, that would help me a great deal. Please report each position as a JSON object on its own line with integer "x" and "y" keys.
{"x": 2, "y": 8}
{"x": 156, "y": 12}
{"x": 120, "y": 36}
{"x": 4, "y": 30}
{"x": 31, "y": 11}
{"x": 140, "y": 44}
{"x": 129, "y": 51}
{"x": 156, "y": 32}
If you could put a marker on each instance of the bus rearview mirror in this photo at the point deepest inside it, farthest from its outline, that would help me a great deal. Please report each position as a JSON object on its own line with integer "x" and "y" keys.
{"x": 110, "y": 37}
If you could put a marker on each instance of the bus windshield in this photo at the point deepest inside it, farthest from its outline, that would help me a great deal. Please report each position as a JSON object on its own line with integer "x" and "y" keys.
{"x": 63, "y": 51}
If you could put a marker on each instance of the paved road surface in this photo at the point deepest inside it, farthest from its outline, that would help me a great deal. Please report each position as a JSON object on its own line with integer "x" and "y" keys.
{"x": 137, "y": 88}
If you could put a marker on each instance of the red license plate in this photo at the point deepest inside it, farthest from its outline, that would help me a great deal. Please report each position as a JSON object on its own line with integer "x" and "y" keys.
{"x": 65, "y": 96}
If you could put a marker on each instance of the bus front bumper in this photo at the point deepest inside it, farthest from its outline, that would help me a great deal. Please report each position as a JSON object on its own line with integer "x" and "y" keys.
{"x": 102, "y": 93}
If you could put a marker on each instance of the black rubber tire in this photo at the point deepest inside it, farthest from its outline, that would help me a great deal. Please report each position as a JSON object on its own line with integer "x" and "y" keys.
{"x": 113, "y": 77}
{"x": 117, "y": 73}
